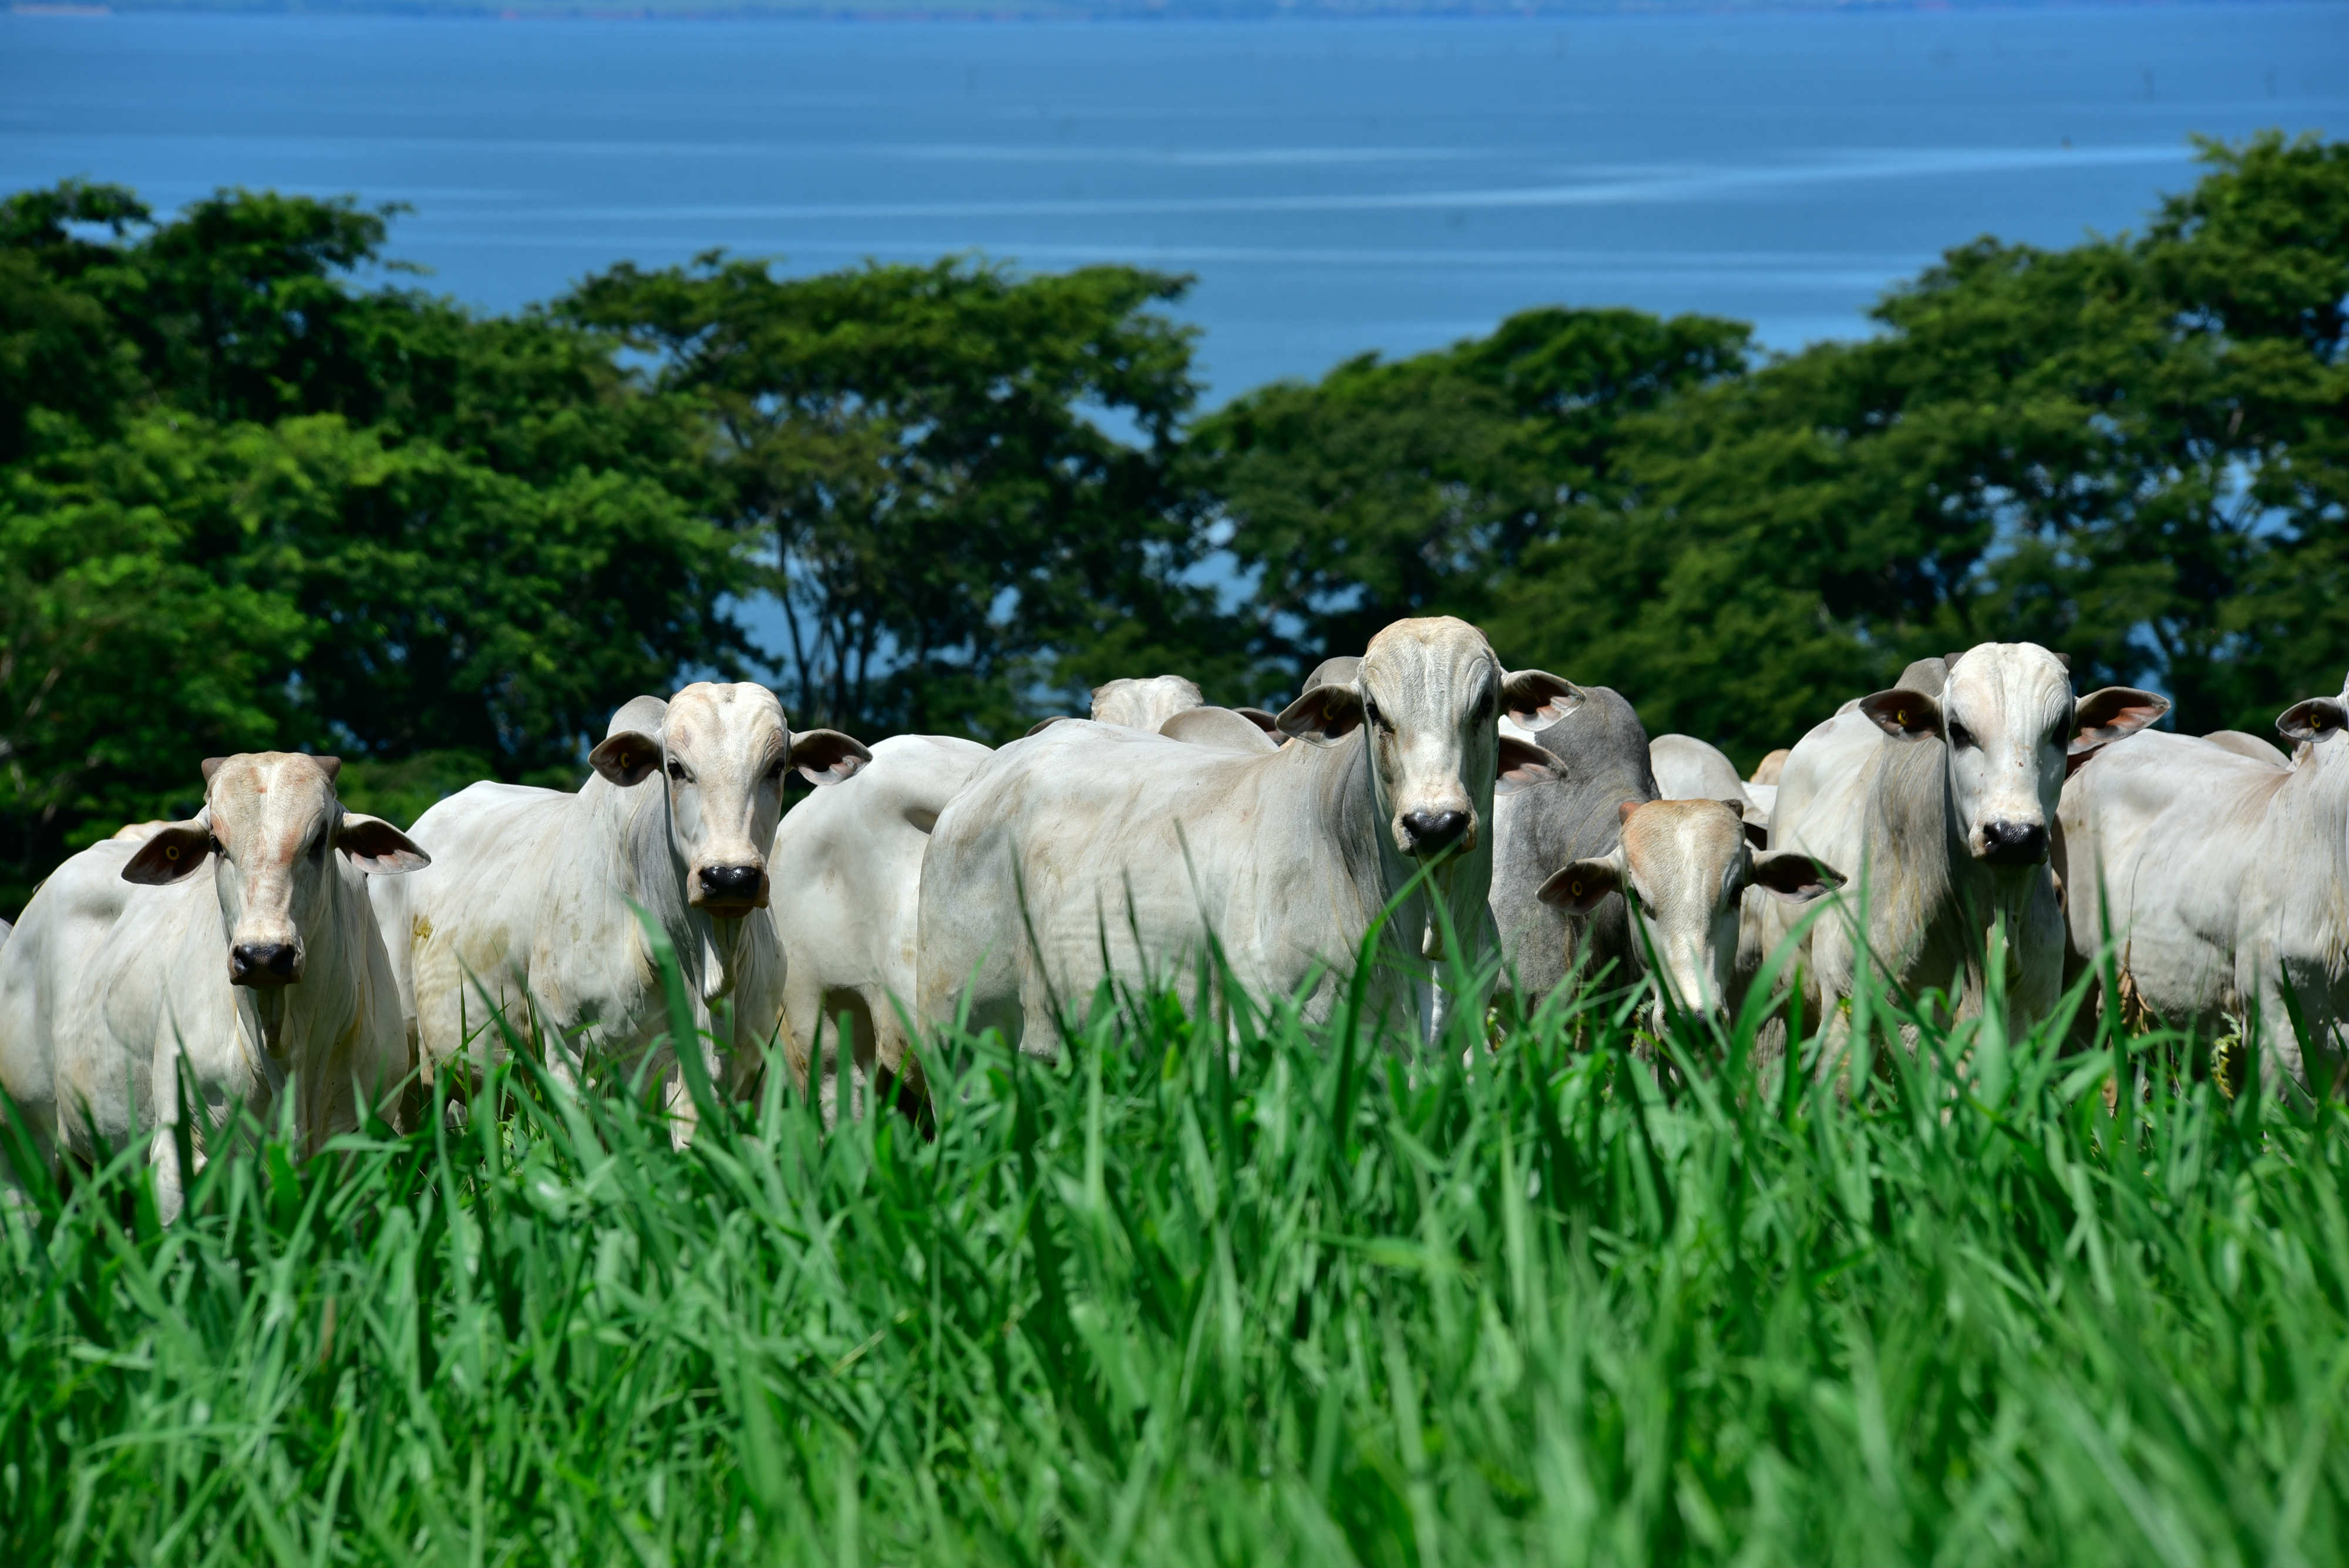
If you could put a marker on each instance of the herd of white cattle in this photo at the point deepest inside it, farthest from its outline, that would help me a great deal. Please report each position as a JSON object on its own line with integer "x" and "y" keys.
{"x": 1981, "y": 813}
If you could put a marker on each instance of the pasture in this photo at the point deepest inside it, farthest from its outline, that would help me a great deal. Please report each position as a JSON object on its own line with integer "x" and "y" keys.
{"x": 1225, "y": 1289}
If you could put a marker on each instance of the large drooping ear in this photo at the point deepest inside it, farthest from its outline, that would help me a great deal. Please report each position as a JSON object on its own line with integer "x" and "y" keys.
{"x": 1580, "y": 888}
{"x": 1757, "y": 834}
{"x": 627, "y": 759}
{"x": 1269, "y": 722}
{"x": 827, "y": 757}
{"x": 1795, "y": 876}
{"x": 1535, "y": 699}
{"x": 1323, "y": 714}
{"x": 2103, "y": 717}
{"x": 376, "y": 847}
{"x": 1523, "y": 764}
{"x": 331, "y": 766}
{"x": 1040, "y": 725}
{"x": 1903, "y": 713}
{"x": 172, "y": 853}
{"x": 2318, "y": 719}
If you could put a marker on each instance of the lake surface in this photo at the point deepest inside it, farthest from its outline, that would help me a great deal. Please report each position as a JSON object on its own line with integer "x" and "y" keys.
{"x": 1337, "y": 186}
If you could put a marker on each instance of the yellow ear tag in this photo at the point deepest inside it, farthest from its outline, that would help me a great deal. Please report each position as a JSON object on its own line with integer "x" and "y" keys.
{"x": 1900, "y": 717}
{"x": 1578, "y": 889}
{"x": 170, "y": 852}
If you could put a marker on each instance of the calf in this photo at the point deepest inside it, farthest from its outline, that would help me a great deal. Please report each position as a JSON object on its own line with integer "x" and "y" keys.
{"x": 531, "y": 902}
{"x": 2222, "y": 880}
{"x": 135, "y": 984}
{"x": 1683, "y": 867}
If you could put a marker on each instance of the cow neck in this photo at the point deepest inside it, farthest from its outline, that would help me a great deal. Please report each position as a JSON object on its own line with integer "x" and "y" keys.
{"x": 1355, "y": 815}
{"x": 1346, "y": 810}
{"x": 1940, "y": 871}
{"x": 709, "y": 953}
{"x": 280, "y": 1026}
{"x": 2317, "y": 790}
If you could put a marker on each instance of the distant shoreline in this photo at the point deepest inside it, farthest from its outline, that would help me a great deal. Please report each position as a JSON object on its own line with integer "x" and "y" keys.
{"x": 1177, "y": 11}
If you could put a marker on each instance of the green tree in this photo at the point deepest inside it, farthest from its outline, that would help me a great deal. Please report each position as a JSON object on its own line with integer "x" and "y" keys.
{"x": 958, "y": 538}
{"x": 1415, "y": 487}
{"x": 245, "y": 500}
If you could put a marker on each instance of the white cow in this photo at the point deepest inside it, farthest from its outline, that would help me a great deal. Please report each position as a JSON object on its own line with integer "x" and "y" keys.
{"x": 1145, "y": 703}
{"x": 531, "y": 899}
{"x": 2244, "y": 745}
{"x": 2220, "y": 877}
{"x": 849, "y": 928}
{"x": 1690, "y": 769}
{"x": 1944, "y": 812}
{"x": 1226, "y": 729}
{"x": 1091, "y": 851}
{"x": 1685, "y": 868}
{"x": 135, "y": 983}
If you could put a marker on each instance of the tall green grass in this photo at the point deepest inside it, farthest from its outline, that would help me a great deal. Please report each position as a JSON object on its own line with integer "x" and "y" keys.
{"x": 1223, "y": 1290}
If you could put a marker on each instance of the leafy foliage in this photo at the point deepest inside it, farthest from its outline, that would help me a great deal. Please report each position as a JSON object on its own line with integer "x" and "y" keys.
{"x": 926, "y": 450}
{"x": 2131, "y": 449}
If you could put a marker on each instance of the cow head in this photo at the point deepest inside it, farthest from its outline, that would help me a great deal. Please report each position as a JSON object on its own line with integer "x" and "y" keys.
{"x": 1683, "y": 866}
{"x": 2009, "y": 719}
{"x": 1427, "y": 694}
{"x": 1145, "y": 703}
{"x": 270, "y": 827}
{"x": 721, "y": 751}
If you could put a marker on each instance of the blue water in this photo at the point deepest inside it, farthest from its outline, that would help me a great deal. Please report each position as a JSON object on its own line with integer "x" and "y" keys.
{"x": 1336, "y": 186}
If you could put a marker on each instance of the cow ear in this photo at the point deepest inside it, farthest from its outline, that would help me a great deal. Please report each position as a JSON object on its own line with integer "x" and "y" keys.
{"x": 1269, "y": 722}
{"x": 1535, "y": 699}
{"x": 2318, "y": 719}
{"x": 376, "y": 847}
{"x": 1580, "y": 888}
{"x": 2103, "y": 717}
{"x": 1795, "y": 877}
{"x": 1523, "y": 764}
{"x": 827, "y": 757}
{"x": 1757, "y": 834}
{"x": 172, "y": 853}
{"x": 1903, "y": 713}
{"x": 627, "y": 759}
{"x": 1040, "y": 725}
{"x": 1323, "y": 714}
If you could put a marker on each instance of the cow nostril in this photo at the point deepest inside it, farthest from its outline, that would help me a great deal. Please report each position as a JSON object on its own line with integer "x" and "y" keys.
{"x": 1433, "y": 830}
{"x": 2014, "y": 843}
{"x": 263, "y": 963}
{"x": 729, "y": 882}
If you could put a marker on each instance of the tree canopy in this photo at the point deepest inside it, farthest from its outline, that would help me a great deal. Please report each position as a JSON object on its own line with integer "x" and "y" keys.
{"x": 258, "y": 489}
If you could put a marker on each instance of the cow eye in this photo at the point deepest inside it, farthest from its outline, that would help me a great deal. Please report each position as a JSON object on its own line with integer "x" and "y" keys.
{"x": 776, "y": 771}
{"x": 677, "y": 771}
{"x": 1962, "y": 737}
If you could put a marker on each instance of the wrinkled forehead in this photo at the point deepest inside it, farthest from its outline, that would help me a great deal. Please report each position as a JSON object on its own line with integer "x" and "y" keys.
{"x": 2011, "y": 682}
{"x": 263, "y": 800}
{"x": 1670, "y": 833}
{"x": 1431, "y": 668}
{"x": 712, "y": 720}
